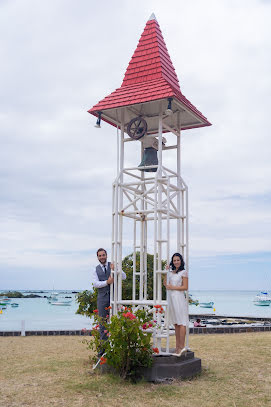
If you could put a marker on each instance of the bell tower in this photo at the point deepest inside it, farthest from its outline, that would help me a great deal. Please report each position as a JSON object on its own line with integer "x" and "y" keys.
{"x": 150, "y": 199}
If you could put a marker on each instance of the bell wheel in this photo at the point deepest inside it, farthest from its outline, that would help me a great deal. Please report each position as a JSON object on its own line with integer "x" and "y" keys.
{"x": 137, "y": 128}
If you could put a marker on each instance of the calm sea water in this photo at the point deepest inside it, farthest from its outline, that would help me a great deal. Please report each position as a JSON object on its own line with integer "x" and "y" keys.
{"x": 38, "y": 314}
{"x": 230, "y": 303}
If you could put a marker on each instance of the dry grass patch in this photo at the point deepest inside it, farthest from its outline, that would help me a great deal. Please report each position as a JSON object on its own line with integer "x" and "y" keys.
{"x": 56, "y": 371}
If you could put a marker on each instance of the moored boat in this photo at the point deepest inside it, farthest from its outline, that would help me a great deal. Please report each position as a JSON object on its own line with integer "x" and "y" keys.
{"x": 61, "y": 303}
{"x": 263, "y": 299}
{"x": 262, "y": 303}
{"x": 53, "y": 297}
{"x": 206, "y": 304}
{"x": 5, "y": 300}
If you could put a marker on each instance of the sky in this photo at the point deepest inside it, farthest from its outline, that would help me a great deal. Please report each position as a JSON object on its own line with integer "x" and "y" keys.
{"x": 58, "y": 59}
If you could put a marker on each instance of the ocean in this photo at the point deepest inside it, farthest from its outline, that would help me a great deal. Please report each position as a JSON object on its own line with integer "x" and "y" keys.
{"x": 38, "y": 314}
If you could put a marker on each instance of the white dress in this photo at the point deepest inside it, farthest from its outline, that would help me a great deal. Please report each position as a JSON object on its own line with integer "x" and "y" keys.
{"x": 177, "y": 305}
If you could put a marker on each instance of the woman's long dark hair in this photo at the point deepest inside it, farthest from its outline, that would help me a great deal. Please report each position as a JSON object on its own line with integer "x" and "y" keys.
{"x": 182, "y": 262}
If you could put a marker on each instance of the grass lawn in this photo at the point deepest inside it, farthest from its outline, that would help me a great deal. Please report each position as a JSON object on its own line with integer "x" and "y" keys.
{"x": 55, "y": 371}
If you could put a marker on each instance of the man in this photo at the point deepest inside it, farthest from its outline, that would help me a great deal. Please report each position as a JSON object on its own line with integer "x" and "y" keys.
{"x": 102, "y": 280}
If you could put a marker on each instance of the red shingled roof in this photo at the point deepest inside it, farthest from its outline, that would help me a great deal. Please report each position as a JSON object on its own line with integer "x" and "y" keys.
{"x": 150, "y": 75}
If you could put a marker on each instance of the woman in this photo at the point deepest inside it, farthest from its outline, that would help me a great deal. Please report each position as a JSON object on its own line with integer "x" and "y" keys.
{"x": 177, "y": 305}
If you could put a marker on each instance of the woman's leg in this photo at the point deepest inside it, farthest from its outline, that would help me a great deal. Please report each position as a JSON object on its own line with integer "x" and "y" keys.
{"x": 182, "y": 332}
{"x": 177, "y": 335}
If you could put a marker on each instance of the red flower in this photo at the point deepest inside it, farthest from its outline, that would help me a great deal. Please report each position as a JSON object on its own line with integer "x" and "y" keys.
{"x": 129, "y": 315}
{"x": 155, "y": 350}
{"x": 109, "y": 307}
{"x": 157, "y": 306}
{"x": 96, "y": 311}
{"x": 150, "y": 325}
{"x": 103, "y": 360}
{"x": 144, "y": 326}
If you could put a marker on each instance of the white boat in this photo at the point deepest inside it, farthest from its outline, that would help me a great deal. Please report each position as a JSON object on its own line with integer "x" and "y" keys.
{"x": 263, "y": 299}
{"x": 206, "y": 304}
{"x": 61, "y": 303}
{"x": 5, "y": 299}
{"x": 52, "y": 297}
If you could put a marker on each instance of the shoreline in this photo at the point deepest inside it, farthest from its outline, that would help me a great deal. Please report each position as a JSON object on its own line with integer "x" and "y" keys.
{"x": 192, "y": 331}
{"x": 215, "y": 324}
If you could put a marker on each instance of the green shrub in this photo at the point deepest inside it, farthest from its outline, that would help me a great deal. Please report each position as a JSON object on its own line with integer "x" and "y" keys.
{"x": 128, "y": 348}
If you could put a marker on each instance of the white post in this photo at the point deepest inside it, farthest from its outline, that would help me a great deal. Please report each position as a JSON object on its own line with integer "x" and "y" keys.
{"x": 168, "y": 254}
{"x": 23, "y": 328}
{"x": 134, "y": 264}
{"x": 142, "y": 234}
{"x": 159, "y": 222}
{"x": 154, "y": 251}
{"x": 118, "y": 281}
{"x": 187, "y": 267}
{"x": 145, "y": 258}
{"x": 179, "y": 183}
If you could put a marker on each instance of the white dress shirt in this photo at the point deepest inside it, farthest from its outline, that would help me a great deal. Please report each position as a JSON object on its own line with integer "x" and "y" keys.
{"x": 100, "y": 284}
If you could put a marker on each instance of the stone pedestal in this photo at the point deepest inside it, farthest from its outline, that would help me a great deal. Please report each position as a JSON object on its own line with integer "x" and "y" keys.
{"x": 168, "y": 366}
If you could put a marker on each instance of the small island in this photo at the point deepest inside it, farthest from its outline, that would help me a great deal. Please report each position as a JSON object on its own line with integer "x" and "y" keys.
{"x": 17, "y": 294}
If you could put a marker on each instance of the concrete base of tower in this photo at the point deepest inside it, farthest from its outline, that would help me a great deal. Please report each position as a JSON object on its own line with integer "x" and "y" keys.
{"x": 166, "y": 367}
{"x": 169, "y": 367}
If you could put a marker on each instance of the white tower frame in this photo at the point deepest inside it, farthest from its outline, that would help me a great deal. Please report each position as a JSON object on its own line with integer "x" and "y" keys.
{"x": 153, "y": 199}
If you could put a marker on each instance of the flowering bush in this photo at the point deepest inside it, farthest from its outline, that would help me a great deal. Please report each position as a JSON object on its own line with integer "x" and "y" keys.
{"x": 128, "y": 348}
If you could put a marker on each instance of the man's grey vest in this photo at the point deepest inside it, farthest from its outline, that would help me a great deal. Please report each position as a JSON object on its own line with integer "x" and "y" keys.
{"x": 102, "y": 276}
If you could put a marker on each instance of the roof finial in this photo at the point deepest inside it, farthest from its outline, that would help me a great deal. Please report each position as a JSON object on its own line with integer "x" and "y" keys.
{"x": 152, "y": 17}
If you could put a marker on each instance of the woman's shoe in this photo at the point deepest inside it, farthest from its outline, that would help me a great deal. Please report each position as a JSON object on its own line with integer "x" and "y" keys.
{"x": 182, "y": 352}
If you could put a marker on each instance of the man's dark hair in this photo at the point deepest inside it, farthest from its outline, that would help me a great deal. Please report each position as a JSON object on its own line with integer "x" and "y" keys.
{"x": 101, "y": 250}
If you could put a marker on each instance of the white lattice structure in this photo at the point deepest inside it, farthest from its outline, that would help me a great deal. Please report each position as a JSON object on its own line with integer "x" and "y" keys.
{"x": 157, "y": 198}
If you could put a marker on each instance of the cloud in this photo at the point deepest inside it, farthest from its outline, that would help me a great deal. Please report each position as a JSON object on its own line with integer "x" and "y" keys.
{"x": 56, "y": 170}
